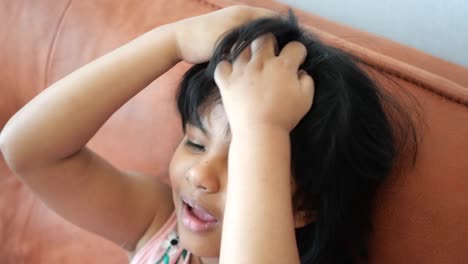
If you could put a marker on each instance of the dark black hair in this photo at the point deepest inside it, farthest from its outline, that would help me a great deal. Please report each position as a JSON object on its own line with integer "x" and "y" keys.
{"x": 341, "y": 149}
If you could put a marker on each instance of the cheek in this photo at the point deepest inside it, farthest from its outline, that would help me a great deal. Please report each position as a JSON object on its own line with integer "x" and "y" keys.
{"x": 180, "y": 163}
{"x": 173, "y": 165}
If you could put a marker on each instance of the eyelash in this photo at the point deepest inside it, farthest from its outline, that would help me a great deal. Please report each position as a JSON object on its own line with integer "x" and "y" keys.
{"x": 195, "y": 146}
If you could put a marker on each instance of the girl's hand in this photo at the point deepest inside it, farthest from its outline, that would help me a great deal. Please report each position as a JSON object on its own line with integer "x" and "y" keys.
{"x": 263, "y": 89}
{"x": 196, "y": 37}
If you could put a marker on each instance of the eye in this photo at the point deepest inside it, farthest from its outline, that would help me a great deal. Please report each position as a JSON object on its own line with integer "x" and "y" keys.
{"x": 195, "y": 146}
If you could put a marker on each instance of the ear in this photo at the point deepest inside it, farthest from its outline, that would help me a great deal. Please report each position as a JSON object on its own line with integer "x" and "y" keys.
{"x": 303, "y": 218}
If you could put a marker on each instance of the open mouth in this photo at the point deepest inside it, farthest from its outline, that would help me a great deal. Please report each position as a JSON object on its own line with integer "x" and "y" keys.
{"x": 196, "y": 218}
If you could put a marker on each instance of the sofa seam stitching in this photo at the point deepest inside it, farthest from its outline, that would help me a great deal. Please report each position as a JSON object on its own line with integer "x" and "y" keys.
{"x": 210, "y": 4}
{"x": 53, "y": 44}
{"x": 383, "y": 70}
{"x": 380, "y": 69}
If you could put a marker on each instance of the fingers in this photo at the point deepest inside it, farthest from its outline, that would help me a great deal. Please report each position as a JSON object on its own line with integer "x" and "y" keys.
{"x": 264, "y": 47}
{"x": 294, "y": 54}
{"x": 222, "y": 72}
{"x": 243, "y": 58}
{"x": 252, "y": 13}
{"x": 260, "y": 50}
{"x": 262, "y": 12}
{"x": 258, "y": 53}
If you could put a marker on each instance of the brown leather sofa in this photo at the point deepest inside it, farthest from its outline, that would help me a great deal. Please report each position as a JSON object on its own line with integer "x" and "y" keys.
{"x": 421, "y": 213}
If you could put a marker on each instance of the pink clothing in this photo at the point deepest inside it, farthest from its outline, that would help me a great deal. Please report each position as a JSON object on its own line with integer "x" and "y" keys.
{"x": 163, "y": 248}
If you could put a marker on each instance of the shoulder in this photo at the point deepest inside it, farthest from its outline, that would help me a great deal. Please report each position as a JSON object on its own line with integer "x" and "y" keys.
{"x": 162, "y": 224}
{"x": 161, "y": 245}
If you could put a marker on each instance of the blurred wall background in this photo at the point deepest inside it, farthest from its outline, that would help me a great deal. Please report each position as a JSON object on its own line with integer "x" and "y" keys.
{"x": 438, "y": 27}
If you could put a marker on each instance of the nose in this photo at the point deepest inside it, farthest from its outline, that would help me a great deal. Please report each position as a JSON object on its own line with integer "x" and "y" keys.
{"x": 205, "y": 175}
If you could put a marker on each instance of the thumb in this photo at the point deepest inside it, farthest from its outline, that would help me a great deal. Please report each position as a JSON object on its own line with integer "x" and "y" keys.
{"x": 222, "y": 73}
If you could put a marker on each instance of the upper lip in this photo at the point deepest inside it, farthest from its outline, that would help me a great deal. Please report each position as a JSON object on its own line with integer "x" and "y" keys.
{"x": 195, "y": 204}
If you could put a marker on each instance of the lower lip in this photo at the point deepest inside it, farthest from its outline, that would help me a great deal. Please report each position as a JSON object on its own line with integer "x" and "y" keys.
{"x": 194, "y": 223}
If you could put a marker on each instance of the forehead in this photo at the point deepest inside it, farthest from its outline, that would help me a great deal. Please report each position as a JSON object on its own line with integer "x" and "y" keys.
{"x": 215, "y": 121}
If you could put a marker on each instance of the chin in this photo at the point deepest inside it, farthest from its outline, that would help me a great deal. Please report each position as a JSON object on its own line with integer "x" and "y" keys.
{"x": 206, "y": 245}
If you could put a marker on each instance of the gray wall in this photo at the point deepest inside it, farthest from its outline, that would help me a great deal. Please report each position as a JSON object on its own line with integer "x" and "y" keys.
{"x": 438, "y": 27}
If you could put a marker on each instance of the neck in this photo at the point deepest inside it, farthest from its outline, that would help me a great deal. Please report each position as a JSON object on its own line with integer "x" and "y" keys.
{"x": 200, "y": 260}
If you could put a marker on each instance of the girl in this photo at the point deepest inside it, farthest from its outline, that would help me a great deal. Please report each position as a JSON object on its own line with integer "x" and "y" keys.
{"x": 340, "y": 150}
{"x": 237, "y": 111}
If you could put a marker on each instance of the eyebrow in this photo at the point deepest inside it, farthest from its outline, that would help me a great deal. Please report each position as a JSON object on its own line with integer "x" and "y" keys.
{"x": 200, "y": 127}
{"x": 227, "y": 131}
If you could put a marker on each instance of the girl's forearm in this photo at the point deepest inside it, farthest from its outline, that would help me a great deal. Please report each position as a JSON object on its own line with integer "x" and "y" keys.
{"x": 258, "y": 222}
{"x": 62, "y": 119}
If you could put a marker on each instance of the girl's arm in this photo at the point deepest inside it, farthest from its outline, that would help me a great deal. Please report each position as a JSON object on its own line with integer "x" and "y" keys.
{"x": 264, "y": 98}
{"x": 44, "y": 143}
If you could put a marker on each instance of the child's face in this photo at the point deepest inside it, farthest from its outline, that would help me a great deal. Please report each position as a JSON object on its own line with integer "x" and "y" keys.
{"x": 198, "y": 173}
